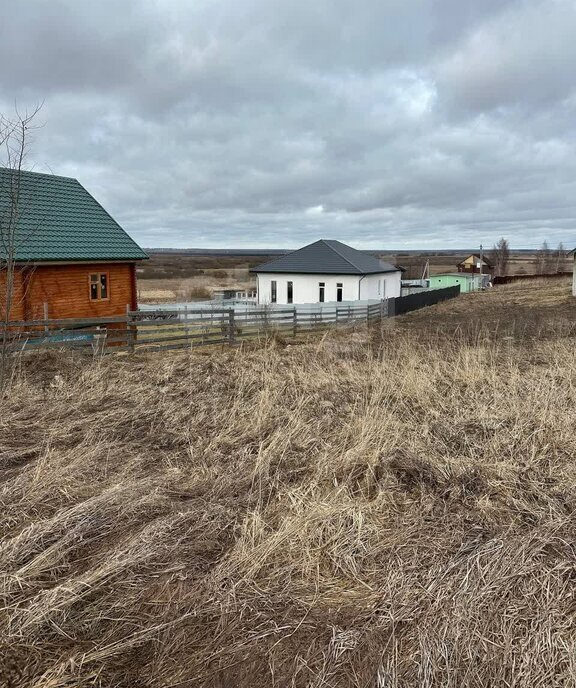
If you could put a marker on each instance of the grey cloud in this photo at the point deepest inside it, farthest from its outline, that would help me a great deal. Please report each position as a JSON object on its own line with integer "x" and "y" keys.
{"x": 266, "y": 122}
{"x": 65, "y": 45}
{"x": 523, "y": 57}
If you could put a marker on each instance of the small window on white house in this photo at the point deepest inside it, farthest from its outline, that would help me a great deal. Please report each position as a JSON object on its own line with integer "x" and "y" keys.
{"x": 321, "y": 287}
{"x": 273, "y": 291}
{"x": 339, "y": 291}
{"x": 289, "y": 292}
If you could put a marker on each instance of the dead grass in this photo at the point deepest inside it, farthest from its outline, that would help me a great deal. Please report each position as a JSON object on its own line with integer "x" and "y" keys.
{"x": 393, "y": 510}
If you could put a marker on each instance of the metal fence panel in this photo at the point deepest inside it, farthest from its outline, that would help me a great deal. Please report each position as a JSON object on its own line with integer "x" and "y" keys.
{"x": 412, "y": 302}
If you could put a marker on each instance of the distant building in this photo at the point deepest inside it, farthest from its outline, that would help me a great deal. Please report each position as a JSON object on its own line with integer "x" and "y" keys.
{"x": 235, "y": 294}
{"x": 473, "y": 263}
{"x": 72, "y": 259}
{"x": 466, "y": 281}
{"x": 326, "y": 271}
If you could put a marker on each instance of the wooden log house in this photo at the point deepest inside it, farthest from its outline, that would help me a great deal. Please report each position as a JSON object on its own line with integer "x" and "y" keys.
{"x": 73, "y": 260}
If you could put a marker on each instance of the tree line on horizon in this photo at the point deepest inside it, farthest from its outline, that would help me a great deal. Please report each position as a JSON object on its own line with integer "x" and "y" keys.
{"x": 548, "y": 261}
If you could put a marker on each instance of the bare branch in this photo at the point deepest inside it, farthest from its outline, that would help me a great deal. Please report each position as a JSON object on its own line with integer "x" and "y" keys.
{"x": 14, "y": 139}
{"x": 500, "y": 256}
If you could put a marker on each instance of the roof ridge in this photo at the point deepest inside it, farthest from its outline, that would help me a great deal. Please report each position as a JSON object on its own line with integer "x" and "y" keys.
{"x": 43, "y": 174}
{"x": 325, "y": 241}
{"x": 291, "y": 253}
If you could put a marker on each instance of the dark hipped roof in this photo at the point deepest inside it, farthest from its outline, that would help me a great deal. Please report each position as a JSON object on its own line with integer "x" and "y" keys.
{"x": 58, "y": 220}
{"x": 327, "y": 257}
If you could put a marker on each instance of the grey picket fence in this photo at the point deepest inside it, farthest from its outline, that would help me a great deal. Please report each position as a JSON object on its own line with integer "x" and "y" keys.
{"x": 166, "y": 328}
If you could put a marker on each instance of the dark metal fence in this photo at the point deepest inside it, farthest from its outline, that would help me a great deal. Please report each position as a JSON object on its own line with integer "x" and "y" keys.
{"x": 411, "y": 302}
{"x": 508, "y": 279}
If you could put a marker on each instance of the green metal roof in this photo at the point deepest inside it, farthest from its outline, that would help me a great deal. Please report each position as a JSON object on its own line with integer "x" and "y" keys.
{"x": 58, "y": 220}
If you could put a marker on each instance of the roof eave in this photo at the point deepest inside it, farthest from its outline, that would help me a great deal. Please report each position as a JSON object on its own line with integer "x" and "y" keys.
{"x": 325, "y": 272}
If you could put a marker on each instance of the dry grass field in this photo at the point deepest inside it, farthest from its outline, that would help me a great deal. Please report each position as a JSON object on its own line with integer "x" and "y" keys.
{"x": 384, "y": 509}
{"x": 169, "y": 278}
{"x": 198, "y": 288}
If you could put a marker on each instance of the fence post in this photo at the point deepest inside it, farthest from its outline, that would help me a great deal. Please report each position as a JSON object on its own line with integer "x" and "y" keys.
{"x": 130, "y": 331}
{"x": 294, "y": 322}
{"x": 186, "y": 328}
{"x": 46, "y": 328}
{"x": 231, "y": 328}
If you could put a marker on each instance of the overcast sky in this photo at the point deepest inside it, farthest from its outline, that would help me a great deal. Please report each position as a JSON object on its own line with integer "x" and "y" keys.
{"x": 272, "y": 123}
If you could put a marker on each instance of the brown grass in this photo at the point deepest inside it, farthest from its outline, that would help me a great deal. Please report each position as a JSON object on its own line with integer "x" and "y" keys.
{"x": 386, "y": 510}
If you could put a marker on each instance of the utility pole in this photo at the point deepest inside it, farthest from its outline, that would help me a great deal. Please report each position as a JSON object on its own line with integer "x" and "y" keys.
{"x": 481, "y": 261}
{"x": 426, "y": 271}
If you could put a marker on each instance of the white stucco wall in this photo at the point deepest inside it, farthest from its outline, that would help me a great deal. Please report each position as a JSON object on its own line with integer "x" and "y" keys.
{"x": 382, "y": 286}
{"x": 306, "y": 287}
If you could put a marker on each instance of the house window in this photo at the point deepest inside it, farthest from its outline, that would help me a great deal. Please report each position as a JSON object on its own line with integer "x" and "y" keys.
{"x": 273, "y": 291}
{"x": 289, "y": 292}
{"x": 321, "y": 286}
{"x": 99, "y": 288}
{"x": 339, "y": 291}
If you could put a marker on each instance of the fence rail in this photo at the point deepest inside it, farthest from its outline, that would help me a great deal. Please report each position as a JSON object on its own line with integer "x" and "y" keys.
{"x": 171, "y": 329}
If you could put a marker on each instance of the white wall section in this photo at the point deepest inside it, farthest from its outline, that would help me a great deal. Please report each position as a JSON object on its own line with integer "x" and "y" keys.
{"x": 306, "y": 287}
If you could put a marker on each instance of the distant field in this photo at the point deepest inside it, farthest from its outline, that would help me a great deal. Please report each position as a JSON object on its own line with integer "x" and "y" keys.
{"x": 170, "y": 278}
{"x": 173, "y": 277}
{"x": 174, "y": 266}
{"x": 520, "y": 263}
{"x": 390, "y": 507}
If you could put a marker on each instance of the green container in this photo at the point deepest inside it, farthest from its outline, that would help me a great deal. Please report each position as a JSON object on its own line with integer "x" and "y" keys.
{"x": 466, "y": 282}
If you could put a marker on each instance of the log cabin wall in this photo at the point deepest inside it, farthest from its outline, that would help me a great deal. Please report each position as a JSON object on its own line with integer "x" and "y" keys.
{"x": 66, "y": 290}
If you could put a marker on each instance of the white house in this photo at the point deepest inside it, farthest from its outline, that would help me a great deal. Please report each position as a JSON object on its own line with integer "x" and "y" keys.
{"x": 325, "y": 271}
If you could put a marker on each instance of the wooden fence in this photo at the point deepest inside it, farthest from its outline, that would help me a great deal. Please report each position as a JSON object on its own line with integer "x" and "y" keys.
{"x": 165, "y": 328}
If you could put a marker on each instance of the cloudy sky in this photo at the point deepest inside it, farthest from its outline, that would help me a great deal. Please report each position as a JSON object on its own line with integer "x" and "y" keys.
{"x": 272, "y": 123}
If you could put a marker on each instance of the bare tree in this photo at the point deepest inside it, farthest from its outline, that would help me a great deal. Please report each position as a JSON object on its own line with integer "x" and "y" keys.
{"x": 560, "y": 256}
{"x": 545, "y": 259}
{"x": 500, "y": 257}
{"x": 14, "y": 139}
